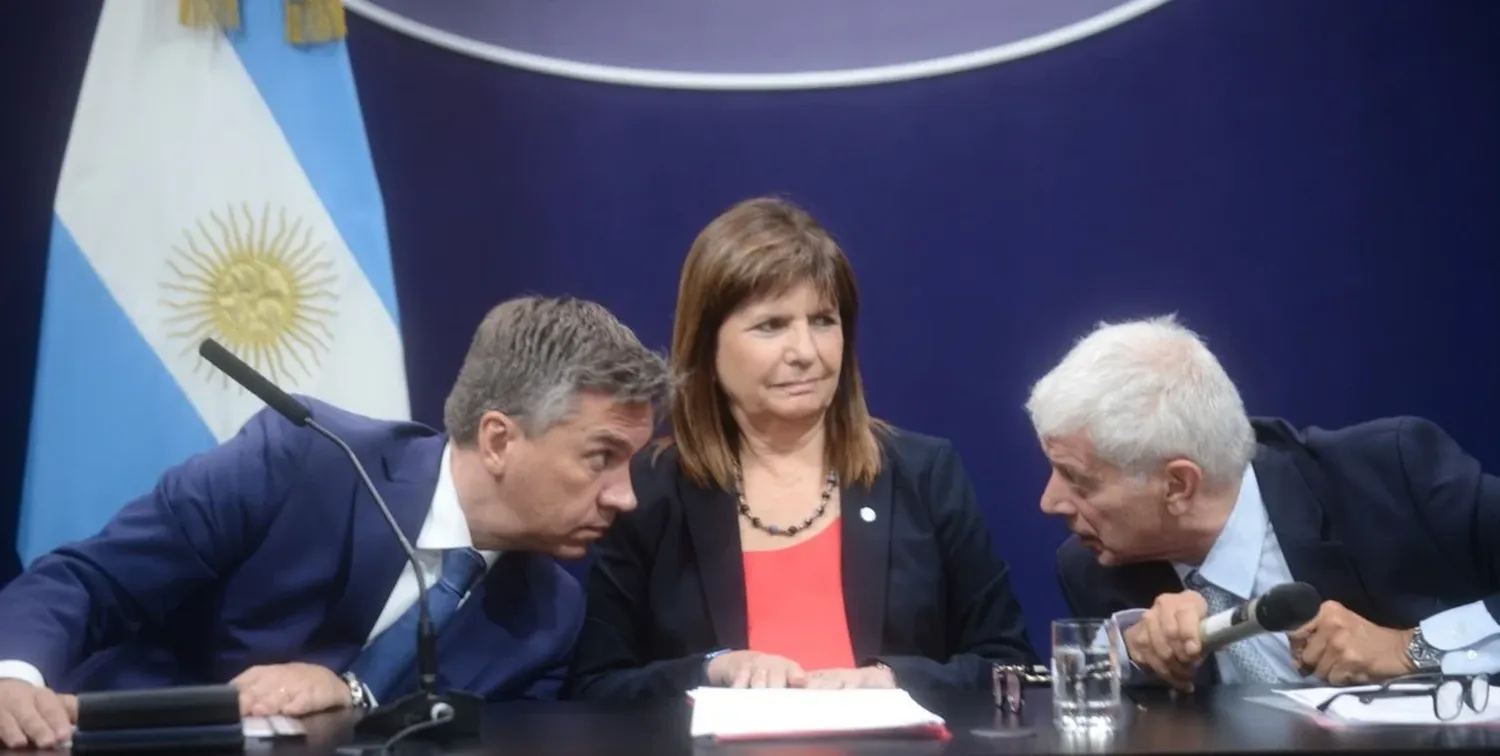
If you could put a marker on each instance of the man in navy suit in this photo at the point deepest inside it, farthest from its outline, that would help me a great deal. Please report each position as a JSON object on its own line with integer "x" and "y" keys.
{"x": 265, "y": 562}
{"x": 1182, "y": 506}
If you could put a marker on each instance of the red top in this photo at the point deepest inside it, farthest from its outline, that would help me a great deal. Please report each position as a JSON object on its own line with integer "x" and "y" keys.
{"x": 794, "y": 602}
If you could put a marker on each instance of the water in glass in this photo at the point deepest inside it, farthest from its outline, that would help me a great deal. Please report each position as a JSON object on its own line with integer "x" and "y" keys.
{"x": 1085, "y": 674}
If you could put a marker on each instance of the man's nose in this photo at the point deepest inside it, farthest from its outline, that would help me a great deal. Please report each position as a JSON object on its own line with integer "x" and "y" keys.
{"x": 619, "y": 496}
{"x": 1055, "y": 498}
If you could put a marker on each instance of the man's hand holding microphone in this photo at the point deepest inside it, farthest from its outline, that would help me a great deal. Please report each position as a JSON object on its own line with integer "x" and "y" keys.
{"x": 1172, "y": 638}
{"x": 1168, "y": 639}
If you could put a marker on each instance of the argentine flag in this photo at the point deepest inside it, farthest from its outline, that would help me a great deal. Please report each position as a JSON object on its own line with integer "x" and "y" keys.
{"x": 217, "y": 183}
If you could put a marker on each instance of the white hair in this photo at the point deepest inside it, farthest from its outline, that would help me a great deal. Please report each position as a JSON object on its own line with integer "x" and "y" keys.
{"x": 1144, "y": 392}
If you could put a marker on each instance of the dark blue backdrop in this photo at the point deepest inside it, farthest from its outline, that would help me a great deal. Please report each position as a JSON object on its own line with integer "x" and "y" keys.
{"x": 1313, "y": 186}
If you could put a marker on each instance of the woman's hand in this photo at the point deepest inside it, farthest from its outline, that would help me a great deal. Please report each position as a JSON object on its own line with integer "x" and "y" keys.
{"x": 753, "y": 669}
{"x": 864, "y": 677}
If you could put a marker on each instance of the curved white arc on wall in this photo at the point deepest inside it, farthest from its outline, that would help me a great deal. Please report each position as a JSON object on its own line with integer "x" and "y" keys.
{"x": 666, "y": 79}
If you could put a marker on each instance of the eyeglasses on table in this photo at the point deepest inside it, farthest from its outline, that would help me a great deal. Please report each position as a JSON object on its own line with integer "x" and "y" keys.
{"x": 1449, "y": 693}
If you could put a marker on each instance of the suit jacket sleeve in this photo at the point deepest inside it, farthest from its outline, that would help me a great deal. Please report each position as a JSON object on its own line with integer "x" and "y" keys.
{"x": 198, "y": 523}
{"x": 550, "y": 685}
{"x": 984, "y": 618}
{"x": 1457, "y": 500}
{"x": 611, "y": 658}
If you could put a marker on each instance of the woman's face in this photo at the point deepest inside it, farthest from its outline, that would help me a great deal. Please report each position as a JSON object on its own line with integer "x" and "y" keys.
{"x": 779, "y": 357}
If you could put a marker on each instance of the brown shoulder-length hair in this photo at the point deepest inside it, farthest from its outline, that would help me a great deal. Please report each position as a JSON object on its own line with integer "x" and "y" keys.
{"x": 759, "y": 248}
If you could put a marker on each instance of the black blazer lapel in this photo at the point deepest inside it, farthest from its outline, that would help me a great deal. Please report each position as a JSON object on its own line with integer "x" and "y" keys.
{"x": 1289, "y": 487}
{"x": 712, "y": 522}
{"x": 866, "y": 534}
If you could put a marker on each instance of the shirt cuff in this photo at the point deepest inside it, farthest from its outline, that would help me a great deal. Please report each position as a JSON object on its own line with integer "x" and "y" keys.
{"x": 1124, "y": 620}
{"x": 1468, "y": 635}
{"x": 15, "y": 669}
{"x": 1127, "y": 618}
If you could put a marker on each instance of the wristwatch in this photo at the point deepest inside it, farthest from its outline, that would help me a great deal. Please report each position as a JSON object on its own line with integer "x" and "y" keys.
{"x": 359, "y": 697}
{"x": 1424, "y": 657}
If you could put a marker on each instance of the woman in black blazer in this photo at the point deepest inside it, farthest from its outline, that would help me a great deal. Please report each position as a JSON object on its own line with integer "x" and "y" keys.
{"x": 783, "y": 537}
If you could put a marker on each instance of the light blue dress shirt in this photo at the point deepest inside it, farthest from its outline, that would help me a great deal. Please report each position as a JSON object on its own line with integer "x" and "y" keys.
{"x": 1246, "y": 560}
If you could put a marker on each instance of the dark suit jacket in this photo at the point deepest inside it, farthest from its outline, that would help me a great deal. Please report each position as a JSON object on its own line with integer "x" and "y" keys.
{"x": 924, "y": 592}
{"x": 1389, "y": 518}
{"x": 267, "y": 550}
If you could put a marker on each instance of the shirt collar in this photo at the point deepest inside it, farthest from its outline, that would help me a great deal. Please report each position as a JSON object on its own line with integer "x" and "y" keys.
{"x": 446, "y": 527}
{"x": 1234, "y": 560}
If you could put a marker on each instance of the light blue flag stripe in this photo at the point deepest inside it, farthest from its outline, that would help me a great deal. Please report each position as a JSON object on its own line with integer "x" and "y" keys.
{"x": 106, "y": 418}
{"x": 311, "y": 91}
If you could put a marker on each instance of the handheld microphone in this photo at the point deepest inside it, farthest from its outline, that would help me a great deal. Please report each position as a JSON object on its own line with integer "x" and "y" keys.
{"x": 425, "y": 713}
{"x": 1285, "y": 607}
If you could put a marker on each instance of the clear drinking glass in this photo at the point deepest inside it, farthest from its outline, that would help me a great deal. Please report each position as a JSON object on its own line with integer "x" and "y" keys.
{"x": 1085, "y": 674}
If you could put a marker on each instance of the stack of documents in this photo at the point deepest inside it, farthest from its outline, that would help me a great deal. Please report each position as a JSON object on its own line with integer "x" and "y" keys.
{"x": 768, "y": 713}
{"x": 1407, "y": 710}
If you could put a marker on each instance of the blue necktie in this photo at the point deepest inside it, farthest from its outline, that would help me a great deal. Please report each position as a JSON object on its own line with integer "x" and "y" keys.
{"x": 393, "y": 654}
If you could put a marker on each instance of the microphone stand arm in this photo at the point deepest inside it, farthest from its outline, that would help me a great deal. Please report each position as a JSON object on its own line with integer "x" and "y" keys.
{"x": 447, "y": 718}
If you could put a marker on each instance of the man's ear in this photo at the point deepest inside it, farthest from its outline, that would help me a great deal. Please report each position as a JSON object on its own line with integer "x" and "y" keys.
{"x": 1183, "y": 479}
{"x": 496, "y": 440}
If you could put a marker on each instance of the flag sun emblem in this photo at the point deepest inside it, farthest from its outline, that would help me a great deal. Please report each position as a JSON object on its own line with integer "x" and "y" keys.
{"x": 262, "y": 289}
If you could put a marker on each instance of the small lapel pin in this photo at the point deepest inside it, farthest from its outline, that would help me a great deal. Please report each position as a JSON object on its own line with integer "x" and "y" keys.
{"x": 867, "y": 514}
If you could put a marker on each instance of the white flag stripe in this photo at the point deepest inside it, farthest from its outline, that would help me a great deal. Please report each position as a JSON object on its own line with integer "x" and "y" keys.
{"x": 169, "y": 130}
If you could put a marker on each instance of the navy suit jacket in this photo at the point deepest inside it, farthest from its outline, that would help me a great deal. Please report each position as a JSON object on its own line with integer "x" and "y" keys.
{"x": 924, "y": 592}
{"x": 1389, "y": 518}
{"x": 267, "y": 550}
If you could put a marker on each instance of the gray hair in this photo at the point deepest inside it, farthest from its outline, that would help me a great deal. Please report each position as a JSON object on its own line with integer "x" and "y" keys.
{"x": 532, "y": 355}
{"x": 1145, "y": 392}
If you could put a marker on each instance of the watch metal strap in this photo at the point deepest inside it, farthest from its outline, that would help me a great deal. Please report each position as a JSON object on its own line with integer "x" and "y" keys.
{"x": 1424, "y": 656}
{"x": 359, "y": 697}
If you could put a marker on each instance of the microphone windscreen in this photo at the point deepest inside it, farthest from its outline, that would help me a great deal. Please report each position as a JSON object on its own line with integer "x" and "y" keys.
{"x": 256, "y": 383}
{"x": 1287, "y": 607}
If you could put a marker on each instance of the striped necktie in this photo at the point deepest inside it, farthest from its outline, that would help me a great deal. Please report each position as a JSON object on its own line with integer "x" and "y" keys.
{"x": 1247, "y": 662}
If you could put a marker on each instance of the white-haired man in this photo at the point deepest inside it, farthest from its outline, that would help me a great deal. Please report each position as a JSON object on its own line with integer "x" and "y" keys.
{"x": 1165, "y": 482}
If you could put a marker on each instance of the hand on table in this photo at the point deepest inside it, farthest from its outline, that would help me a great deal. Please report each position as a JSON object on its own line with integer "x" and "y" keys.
{"x": 863, "y": 677}
{"x": 294, "y": 689}
{"x": 34, "y": 716}
{"x": 753, "y": 669}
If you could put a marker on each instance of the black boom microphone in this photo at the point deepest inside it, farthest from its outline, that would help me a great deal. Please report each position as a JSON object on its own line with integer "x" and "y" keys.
{"x": 425, "y": 714}
{"x": 1285, "y": 607}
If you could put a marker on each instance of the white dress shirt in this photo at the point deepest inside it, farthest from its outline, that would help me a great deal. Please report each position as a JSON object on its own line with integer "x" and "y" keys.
{"x": 1246, "y": 560}
{"x": 444, "y": 528}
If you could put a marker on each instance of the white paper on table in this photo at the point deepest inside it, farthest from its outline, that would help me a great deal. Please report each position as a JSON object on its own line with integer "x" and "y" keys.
{"x": 272, "y": 727}
{"x": 1410, "y": 709}
{"x": 730, "y": 713}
